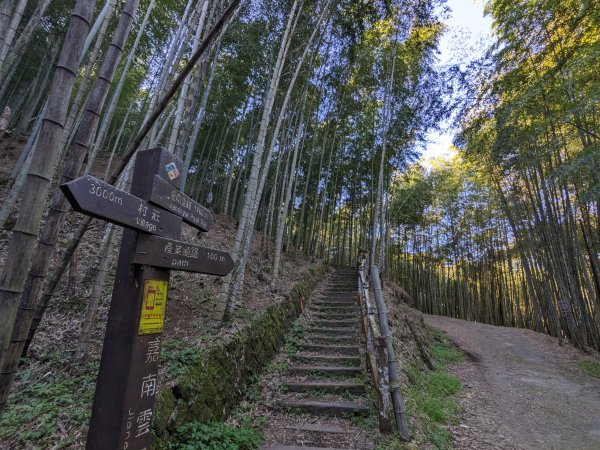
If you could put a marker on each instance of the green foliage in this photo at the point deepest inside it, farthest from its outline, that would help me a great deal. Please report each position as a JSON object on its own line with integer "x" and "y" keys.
{"x": 430, "y": 395}
{"x": 251, "y": 388}
{"x": 591, "y": 368}
{"x": 393, "y": 442}
{"x": 443, "y": 350}
{"x": 213, "y": 436}
{"x": 41, "y": 409}
{"x": 178, "y": 356}
{"x": 293, "y": 337}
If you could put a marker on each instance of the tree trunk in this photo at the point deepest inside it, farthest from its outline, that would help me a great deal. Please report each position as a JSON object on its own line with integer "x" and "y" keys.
{"x": 45, "y": 153}
{"x": 14, "y": 54}
{"x": 283, "y": 210}
{"x": 108, "y": 115}
{"x": 128, "y": 154}
{"x": 9, "y": 35}
{"x": 227, "y": 301}
{"x": 72, "y": 166}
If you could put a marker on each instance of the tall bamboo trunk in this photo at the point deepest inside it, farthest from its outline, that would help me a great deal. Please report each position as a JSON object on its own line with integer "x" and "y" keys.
{"x": 283, "y": 211}
{"x": 15, "y": 52}
{"x": 112, "y": 106}
{"x": 11, "y": 30}
{"x": 244, "y": 233}
{"x": 128, "y": 155}
{"x": 45, "y": 153}
{"x": 71, "y": 168}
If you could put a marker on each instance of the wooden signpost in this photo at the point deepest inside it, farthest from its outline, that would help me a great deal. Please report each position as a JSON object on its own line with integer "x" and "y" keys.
{"x": 152, "y": 216}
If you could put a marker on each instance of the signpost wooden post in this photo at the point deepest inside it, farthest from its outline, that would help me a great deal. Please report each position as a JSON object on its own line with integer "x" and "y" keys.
{"x": 152, "y": 214}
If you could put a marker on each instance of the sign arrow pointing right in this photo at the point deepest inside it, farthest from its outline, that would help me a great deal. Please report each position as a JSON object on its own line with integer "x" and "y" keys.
{"x": 177, "y": 255}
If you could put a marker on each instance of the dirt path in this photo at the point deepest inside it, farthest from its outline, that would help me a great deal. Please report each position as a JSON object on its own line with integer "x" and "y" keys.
{"x": 521, "y": 390}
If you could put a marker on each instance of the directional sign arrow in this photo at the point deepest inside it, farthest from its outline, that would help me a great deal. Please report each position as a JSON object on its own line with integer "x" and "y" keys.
{"x": 166, "y": 195}
{"x": 171, "y": 254}
{"x": 96, "y": 198}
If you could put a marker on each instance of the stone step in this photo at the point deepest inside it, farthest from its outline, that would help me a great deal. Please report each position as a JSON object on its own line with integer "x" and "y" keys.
{"x": 327, "y": 370}
{"x": 350, "y": 300}
{"x": 335, "y": 323}
{"x": 334, "y": 302}
{"x": 330, "y": 316}
{"x": 331, "y": 409}
{"x": 316, "y": 339}
{"x": 335, "y": 312}
{"x": 295, "y": 447}
{"x": 334, "y": 331}
{"x": 342, "y": 349}
{"x": 329, "y": 387}
{"x": 331, "y": 359}
{"x": 333, "y": 307}
{"x": 320, "y": 428}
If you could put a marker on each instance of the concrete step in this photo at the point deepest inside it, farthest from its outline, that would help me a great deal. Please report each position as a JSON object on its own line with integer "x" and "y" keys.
{"x": 341, "y": 349}
{"x": 329, "y": 359}
{"x": 335, "y": 323}
{"x": 331, "y": 409}
{"x": 329, "y": 387}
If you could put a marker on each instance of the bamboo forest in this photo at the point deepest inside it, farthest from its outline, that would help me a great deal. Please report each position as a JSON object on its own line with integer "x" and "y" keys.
{"x": 404, "y": 193}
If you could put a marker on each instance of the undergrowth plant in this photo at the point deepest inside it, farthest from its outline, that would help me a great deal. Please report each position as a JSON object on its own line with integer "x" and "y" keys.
{"x": 213, "y": 436}
{"x": 591, "y": 368}
{"x": 430, "y": 394}
{"x": 293, "y": 338}
{"x": 177, "y": 356}
{"x": 42, "y": 408}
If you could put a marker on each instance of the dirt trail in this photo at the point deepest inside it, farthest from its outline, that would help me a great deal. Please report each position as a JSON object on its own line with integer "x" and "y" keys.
{"x": 521, "y": 390}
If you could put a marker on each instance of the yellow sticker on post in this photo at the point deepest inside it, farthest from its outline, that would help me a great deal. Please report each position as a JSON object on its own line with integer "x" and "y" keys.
{"x": 154, "y": 303}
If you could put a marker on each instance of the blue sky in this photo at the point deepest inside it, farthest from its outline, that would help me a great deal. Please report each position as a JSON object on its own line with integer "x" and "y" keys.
{"x": 468, "y": 34}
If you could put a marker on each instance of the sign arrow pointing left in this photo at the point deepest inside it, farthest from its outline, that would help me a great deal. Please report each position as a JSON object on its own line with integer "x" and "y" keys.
{"x": 96, "y": 198}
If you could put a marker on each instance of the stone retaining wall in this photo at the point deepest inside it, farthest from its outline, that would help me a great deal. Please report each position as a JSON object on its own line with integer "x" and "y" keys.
{"x": 211, "y": 388}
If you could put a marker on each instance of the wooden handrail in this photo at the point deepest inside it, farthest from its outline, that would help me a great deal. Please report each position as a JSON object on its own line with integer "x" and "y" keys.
{"x": 376, "y": 352}
{"x": 381, "y": 360}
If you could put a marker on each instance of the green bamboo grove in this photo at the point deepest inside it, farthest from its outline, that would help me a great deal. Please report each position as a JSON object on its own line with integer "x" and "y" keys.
{"x": 304, "y": 119}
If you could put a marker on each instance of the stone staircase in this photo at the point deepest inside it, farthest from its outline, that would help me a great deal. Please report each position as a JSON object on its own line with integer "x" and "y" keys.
{"x": 322, "y": 397}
